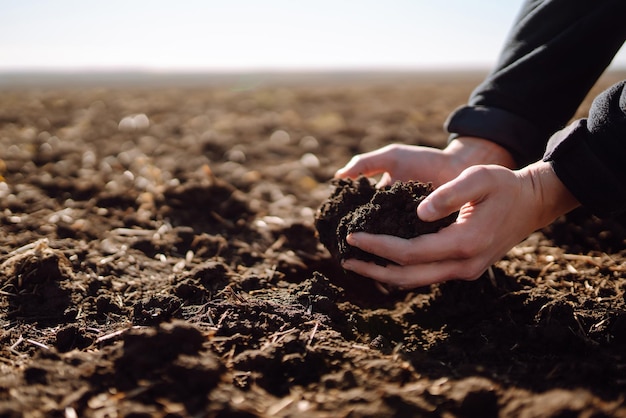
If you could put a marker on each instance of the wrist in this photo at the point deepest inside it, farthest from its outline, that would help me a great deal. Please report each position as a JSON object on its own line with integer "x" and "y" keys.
{"x": 553, "y": 198}
{"x": 468, "y": 151}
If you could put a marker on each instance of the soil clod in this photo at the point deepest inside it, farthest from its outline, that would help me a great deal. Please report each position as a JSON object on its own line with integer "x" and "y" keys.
{"x": 358, "y": 206}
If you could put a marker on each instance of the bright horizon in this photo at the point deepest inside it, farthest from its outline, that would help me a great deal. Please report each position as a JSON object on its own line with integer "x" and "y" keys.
{"x": 244, "y": 35}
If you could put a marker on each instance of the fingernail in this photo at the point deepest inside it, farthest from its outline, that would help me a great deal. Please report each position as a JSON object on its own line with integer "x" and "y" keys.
{"x": 351, "y": 239}
{"x": 426, "y": 209}
{"x": 346, "y": 264}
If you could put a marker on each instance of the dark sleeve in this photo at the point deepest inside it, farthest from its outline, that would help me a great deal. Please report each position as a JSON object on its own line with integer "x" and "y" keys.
{"x": 589, "y": 156}
{"x": 554, "y": 54}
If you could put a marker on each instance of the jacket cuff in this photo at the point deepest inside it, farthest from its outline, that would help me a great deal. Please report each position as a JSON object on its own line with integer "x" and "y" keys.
{"x": 517, "y": 135}
{"x": 585, "y": 175}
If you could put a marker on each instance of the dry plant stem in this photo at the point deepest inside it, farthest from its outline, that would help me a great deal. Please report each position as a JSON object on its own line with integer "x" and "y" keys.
{"x": 310, "y": 341}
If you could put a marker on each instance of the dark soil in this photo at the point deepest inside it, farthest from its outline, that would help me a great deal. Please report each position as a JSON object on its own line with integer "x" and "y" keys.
{"x": 159, "y": 257}
{"x": 356, "y": 205}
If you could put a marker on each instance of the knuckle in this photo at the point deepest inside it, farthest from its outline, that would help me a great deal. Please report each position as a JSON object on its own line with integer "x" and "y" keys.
{"x": 355, "y": 159}
{"x": 464, "y": 252}
{"x": 402, "y": 260}
{"x": 403, "y": 278}
{"x": 477, "y": 170}
{"x": 479, "y": 173}
{"x": 472, "y": 244}
{"x": 392, "y": 147}
{"x": 473, "y": 270}
{"x": 403, "y": 257}
{"x": 465, "y": 248}
{"x": 393, "y": 150}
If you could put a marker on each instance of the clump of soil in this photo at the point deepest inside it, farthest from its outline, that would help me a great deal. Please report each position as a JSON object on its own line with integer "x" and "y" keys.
{"x": 36, "y": 280}
{"x": 358, "y": 206}
{"x": 169, "y": 356}
{"x": 347, "y": 196}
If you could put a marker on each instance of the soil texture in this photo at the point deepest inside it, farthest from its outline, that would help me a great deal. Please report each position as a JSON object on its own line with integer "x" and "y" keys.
{"x": 359, "y": 206}
{"x": 159, "y": 257}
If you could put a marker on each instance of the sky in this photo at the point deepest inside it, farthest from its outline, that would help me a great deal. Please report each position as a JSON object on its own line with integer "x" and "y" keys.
{"x": 248, "y": 35}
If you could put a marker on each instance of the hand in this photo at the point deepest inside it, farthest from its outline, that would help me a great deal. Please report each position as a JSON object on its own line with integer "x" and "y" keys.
{"x": 498, "y": 208}
{"x": 410, "y": 162}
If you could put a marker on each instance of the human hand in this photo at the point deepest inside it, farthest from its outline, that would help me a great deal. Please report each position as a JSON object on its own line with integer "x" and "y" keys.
{"x": 410, "y": 162}
{"x": 497, "y": 207}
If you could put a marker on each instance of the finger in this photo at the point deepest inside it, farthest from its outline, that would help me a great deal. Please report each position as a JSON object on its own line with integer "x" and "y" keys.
{"x": 385, "y": 246}
{"x": 385, "y": 180}
{"x": 450, "y": 243}
{"x": 409, "y": 277}
{"x": 470, "y": 186}
{"x": 368, "y": 164}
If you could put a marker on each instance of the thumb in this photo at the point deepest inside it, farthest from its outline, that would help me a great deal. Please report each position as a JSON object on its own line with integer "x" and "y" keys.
{"x": 431, "y": 209}
{"x": 451, "y": 196}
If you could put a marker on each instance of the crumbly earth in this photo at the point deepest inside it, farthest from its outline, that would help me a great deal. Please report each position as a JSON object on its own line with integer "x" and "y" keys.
{"x": 159, "y": 257}
{"x": 358, "y": 206}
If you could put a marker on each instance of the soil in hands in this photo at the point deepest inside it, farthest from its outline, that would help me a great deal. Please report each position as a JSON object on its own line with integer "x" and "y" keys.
{"x": 358, "y": 206}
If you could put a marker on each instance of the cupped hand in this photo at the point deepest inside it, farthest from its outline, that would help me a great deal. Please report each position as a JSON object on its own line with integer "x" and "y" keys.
{"x": 497, "y": 207}
{"x": 411, "y": 162}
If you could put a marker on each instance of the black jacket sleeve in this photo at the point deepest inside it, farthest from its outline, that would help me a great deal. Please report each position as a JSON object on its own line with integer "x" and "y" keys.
{"x": 554, "y": 54}
{"x": 589, "y": 156}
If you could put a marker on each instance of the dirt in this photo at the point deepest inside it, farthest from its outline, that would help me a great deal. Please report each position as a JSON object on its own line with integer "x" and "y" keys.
{"x": 159, "y": 257}
{"x": 358, "y": 205}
